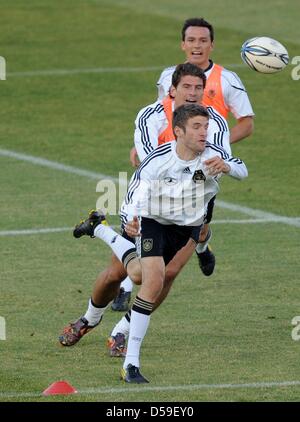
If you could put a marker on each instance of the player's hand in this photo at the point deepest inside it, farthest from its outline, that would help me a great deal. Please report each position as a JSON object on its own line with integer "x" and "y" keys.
{"x": 132, "y": 228}
{"x": 134, "y": 159}
{"x": 216, "y": 166}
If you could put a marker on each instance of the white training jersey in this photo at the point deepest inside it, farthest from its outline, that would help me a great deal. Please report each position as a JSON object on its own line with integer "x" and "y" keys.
{"x": 234, "y": 92}
{"x": 173, "y": 191}
{"x": 151, "y": 121}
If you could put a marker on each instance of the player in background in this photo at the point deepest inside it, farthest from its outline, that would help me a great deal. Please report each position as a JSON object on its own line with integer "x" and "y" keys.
{"x": 165, "y": 230}
{"x": 224, "y": 92}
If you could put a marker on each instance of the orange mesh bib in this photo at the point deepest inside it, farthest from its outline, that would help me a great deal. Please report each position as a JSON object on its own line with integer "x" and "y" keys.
{"x": 213, "y": 95}
{"x": 167, "y": 135}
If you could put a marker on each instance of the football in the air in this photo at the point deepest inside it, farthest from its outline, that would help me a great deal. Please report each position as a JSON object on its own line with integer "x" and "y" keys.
{"x": 264, "y": 55}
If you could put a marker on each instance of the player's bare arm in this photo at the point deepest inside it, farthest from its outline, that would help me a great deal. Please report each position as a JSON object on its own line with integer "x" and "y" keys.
{"x": 134, "y": 159}
{"x": 243, "y": 129}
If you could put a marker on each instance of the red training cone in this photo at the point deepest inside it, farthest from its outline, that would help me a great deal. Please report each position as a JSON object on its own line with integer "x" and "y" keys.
{"x": 59, "y": 387}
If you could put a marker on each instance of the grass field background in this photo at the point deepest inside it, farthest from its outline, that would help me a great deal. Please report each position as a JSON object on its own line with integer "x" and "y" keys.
{"x": 232, "y": 328}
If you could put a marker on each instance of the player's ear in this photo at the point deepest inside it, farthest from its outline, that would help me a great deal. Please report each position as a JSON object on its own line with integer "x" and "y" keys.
{"x": 177, "y": 131}
{"x": 182, "y": 45}
{"x": 172, "y": 91}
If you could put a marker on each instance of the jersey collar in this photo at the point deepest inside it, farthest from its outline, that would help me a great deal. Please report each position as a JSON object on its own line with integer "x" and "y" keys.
{"x": 211, "y": 63}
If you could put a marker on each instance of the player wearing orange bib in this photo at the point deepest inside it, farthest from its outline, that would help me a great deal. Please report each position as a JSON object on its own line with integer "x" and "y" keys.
{"x": 224, "y": 90}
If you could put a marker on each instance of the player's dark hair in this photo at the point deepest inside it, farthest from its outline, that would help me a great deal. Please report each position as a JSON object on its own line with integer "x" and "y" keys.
{"x": 187, "y": 69}
{"x": 197, "y": 22}
{"x": 185, "y": 112}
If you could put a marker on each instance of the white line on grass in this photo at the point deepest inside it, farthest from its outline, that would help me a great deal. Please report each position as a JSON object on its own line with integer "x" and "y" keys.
{"x": 66, "y": 229}
{"x": 53, "y": 165}
{"x": 252, "y": 212}
{"x": 40, "y": 231}
{"x": 63, "y": 72}
{"x": 141, "y": 389}
{"x": 34, "y": 231}
{"x": 98, "y": 176}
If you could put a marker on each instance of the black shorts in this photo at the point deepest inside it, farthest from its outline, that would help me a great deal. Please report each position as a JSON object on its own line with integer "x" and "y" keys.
{"x": 209, "y": 212}
{"x": 165, "y": 240}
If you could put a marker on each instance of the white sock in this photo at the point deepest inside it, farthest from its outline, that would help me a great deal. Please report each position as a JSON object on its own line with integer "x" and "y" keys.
{"x": 138, "y": 327}
{"x": 121, "y": 327}
{"x": 139, "y": 322}
{"x": 115, "y": 241}
{"x": 127, "y": 284}
{"x": 93, "y": 314}
{"x": 201, "y": 247}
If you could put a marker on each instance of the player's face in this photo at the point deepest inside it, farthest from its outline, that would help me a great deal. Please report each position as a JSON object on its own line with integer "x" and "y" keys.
{"x": 189, "y": 90}
{"x": 197, "y": 46}
{"x": 195, "y": 134}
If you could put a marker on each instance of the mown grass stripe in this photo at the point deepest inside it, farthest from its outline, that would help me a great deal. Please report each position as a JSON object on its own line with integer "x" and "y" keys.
{"x": 256, "y": 213}
{"x": 63, "y": 72}
{"x": 141, "y": 389}
{"x": 50, "y": 230}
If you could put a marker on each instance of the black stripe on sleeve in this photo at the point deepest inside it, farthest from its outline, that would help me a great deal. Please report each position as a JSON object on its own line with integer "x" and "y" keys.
{"x": 142, "y": 124}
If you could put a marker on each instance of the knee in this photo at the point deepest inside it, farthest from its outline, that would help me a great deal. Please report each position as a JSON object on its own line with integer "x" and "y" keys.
{"x": 134, "y": 271}
{"x": 136, "y": 278}
{"x": 170, "y": 275}
{"x": 115, "y": 275}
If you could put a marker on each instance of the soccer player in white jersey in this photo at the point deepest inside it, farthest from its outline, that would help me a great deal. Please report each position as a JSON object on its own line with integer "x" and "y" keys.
{"x": 153, "y": 127}
{"x": 189, "y": 83}
{"x": 172, "y": 205}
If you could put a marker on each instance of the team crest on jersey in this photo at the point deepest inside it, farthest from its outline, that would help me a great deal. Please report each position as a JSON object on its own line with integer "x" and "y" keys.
{"x": 147, "y": 245}
{"x": 211, "y": 93}
{"x": 170, "y": 181}
{"x": 199, "y": 176}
